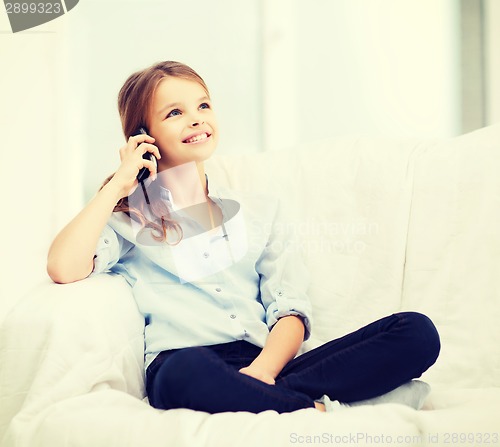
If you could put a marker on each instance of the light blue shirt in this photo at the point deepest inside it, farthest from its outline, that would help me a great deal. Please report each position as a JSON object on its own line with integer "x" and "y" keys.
{"x": 231, "y": 283}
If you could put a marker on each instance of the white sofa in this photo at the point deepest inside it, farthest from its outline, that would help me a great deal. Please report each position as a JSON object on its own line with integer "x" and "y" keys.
{"x": 384, "y": 225}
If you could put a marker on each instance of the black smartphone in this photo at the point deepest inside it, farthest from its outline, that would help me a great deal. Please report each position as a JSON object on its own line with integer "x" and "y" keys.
{"x": 144, "y": 172}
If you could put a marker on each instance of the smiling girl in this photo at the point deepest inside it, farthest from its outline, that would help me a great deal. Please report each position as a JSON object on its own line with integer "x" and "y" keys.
{"x": 225, "y": 304}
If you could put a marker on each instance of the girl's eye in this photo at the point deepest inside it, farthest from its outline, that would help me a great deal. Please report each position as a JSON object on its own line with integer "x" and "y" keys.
{"x": 204, "y": 105}
{"x": 175, "y": 112}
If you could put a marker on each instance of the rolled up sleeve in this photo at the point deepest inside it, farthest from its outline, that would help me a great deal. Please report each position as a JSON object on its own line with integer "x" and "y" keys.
{"x": 284, "y": 278}
{"x": 110, "y": 248}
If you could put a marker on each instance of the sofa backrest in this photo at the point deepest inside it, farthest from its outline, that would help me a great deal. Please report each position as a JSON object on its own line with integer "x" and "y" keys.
{"x": 452, "y": 269}
{"x": 394, "y": 224}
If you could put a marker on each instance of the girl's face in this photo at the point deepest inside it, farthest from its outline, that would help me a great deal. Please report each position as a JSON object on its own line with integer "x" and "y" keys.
{"x": 182, "y": 122}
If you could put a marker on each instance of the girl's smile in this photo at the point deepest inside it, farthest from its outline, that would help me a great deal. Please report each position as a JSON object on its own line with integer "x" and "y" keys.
{"x": 197, "y": 137}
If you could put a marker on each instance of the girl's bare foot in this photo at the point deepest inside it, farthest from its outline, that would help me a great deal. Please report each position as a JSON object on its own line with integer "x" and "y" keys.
{"x": 320, "y": 406}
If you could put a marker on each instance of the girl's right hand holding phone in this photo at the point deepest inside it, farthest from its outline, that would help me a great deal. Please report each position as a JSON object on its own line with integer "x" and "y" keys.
{"x": 131, "y": 155}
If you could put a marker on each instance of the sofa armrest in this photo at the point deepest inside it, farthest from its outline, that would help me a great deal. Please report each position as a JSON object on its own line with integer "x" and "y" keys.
{"x": 66, "y": 340}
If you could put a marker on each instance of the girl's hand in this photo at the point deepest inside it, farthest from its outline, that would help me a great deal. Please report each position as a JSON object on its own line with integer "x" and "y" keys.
{"x": 258, "y": 374}
{"x": 125, "y": 178}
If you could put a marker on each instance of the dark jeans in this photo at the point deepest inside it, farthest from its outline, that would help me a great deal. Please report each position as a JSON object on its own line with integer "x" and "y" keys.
{"x": 366, "y": 363}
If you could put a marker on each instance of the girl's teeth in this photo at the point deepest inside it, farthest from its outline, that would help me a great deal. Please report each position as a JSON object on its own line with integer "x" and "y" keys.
{"x": 197, "y": 138}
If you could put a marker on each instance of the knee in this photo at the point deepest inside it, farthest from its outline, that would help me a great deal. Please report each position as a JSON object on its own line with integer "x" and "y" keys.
{"x": 176, "y": 377}
{"x": 423, "y": 337}
{"x": 184, "y": 366}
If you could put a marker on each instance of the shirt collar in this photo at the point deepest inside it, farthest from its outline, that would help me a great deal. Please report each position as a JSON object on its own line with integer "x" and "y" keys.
{"x": 166, "y": 194}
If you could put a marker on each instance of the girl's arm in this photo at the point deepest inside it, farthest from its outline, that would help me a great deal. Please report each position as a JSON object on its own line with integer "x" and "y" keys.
{"x": 284, "y": 281}
{"x": 281, "y": 346}
{"x": 71, "y": 255}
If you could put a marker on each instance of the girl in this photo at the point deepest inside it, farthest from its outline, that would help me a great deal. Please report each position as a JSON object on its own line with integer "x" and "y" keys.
{"x": 224, "y": 302}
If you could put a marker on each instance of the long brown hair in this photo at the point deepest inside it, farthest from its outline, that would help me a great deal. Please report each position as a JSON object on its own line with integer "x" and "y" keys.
{"x": 134, "y": 103}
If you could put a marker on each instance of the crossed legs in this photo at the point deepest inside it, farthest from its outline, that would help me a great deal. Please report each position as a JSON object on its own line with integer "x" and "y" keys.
{"x": 366, "y": 363}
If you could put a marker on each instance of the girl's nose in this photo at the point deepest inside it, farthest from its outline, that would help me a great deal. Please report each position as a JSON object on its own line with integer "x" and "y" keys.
{"x": 196, "y": 118}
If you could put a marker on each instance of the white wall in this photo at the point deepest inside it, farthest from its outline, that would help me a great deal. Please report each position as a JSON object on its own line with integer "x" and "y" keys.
{"x": 378, "y": 67}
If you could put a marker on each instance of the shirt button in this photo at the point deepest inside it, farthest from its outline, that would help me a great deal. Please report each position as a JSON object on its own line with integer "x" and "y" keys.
{"x": 279, "y": 293}
{"x": 218, "y": 289}
{"x": 206, "y": 254}
{"x": 233, "y": 316}
{"x": 106, "y": 241}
